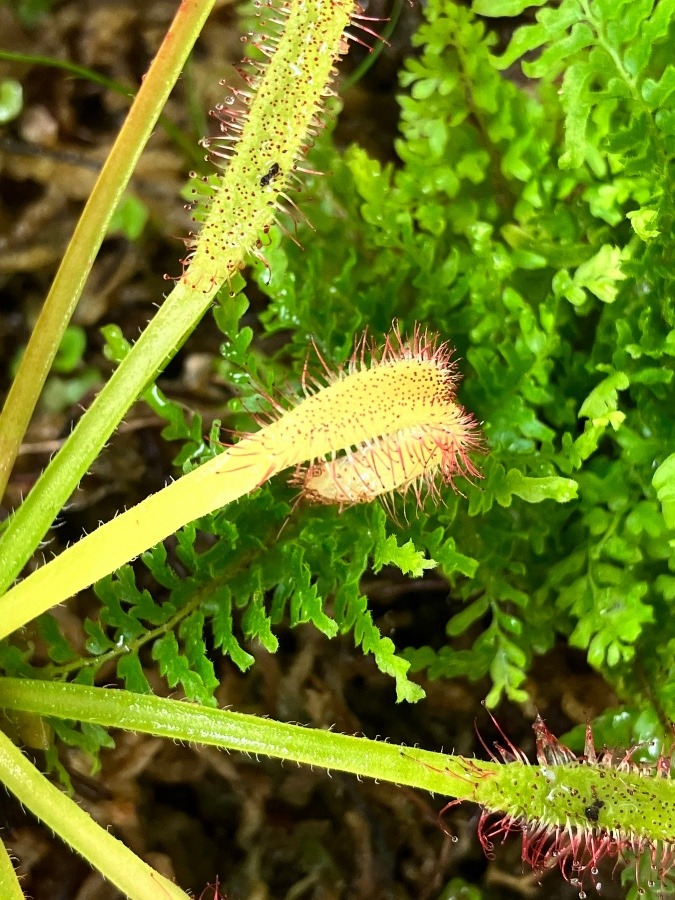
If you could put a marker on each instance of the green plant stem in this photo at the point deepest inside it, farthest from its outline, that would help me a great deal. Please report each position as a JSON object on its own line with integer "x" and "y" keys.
{"x": 363, "y": 406}
{"x": 28, "y": 525}
{"x": 10, "y": 889}
{"x": 109, "y": 855}
{"x": 89, "y": 233}
{"x": 216, "y": 483}
{"x": 285, "y": 104}
{"x": 447, "y": 775}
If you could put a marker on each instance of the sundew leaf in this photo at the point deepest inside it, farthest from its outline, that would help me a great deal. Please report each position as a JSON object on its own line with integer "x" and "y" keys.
{"x": 555, "y": 287}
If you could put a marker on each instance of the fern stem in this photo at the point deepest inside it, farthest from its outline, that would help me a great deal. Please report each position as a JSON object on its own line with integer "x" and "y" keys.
{"x": 109, "y": 855}
{"x": 10, "y": 889}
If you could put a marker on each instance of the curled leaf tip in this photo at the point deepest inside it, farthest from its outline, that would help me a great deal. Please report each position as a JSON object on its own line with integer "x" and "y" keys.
{"x": 413, "y": 434}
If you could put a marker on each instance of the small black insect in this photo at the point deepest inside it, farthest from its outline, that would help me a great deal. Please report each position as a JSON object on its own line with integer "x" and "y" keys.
{"x": 272, "y": 173}
{"x": 592, "y": 812}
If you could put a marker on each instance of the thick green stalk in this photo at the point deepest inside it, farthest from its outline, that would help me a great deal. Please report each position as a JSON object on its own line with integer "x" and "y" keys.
{"x": 628, "y": 804}
{"x": 110, "y": 856}
{"x": 10, "y": 889}
{"x": 212, "y": 485}
{"x": 86, "y": 240}
{"x": 248, "y": 734}
{"x": 281, "y": 112}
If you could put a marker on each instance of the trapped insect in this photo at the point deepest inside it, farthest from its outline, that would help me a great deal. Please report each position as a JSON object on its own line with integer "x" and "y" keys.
{"x": 270, "y": 175}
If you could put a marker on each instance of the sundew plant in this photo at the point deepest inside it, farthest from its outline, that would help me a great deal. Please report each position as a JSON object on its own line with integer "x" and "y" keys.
{"x": 473, "y": 379}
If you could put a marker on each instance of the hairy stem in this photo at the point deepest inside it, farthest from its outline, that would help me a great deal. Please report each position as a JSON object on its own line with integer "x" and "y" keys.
{"x": 110, "y": 856}
{"x": 631, "y": 807}
{"x": 245, "y": 733}
{"x": 406, "y": 404}
{"x": 79, "y": 258}
{"x": 281, "y": 113}
{"x": 10, "y": 888}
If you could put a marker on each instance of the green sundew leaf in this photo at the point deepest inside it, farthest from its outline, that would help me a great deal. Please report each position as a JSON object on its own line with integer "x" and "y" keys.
{"x": 129, "y": 669}
{"x": 603, "y": 400}
{"x": 536, "y": 490}
{"x": 406, "y": 557}
{"x": 499, "y": 8}
{"x": 664, "y": 485}
{"x": 461, "y": 621}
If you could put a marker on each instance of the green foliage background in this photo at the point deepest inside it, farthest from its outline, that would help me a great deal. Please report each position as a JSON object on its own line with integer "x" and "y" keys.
{"x": 530, "y": 222}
